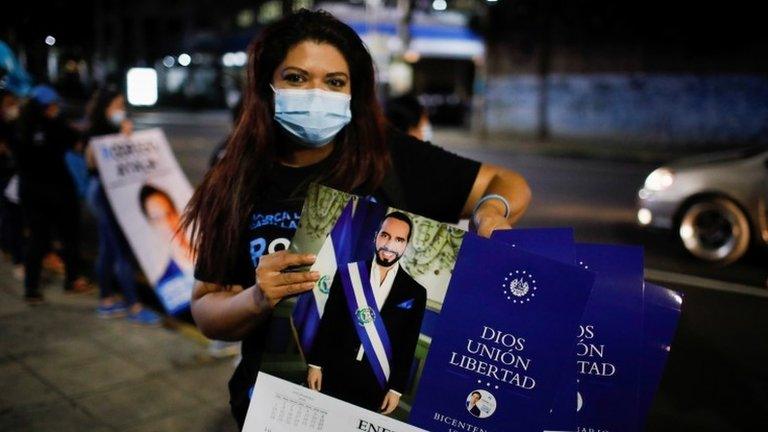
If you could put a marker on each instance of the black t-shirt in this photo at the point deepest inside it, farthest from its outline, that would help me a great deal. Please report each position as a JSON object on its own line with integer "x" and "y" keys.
{"x": 43, "y": 170}
{"x": 424, "y": 179}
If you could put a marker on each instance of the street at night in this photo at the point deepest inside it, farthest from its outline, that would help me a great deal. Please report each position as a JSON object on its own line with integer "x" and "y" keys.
{"x": 241, "y": 216}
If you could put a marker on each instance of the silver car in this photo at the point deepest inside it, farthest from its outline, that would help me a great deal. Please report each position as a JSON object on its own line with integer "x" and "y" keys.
{"x": 717, "y": 204}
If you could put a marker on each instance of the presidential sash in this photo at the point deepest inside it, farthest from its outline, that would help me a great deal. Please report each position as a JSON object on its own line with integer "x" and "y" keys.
{"x": 366, "y": 317}
{"x": 350, "y": 239}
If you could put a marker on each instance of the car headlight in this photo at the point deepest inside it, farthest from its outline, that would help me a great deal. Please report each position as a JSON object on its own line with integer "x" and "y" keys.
{"x": 660, "y": 179}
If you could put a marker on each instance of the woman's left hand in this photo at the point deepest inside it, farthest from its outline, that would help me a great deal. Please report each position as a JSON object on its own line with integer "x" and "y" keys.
{"x": 513, "y": 197}
{"x": 486, "y": 220}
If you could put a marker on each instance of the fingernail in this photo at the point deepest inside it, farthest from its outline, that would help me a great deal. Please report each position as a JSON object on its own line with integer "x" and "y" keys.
{"x": 315, "y": 274}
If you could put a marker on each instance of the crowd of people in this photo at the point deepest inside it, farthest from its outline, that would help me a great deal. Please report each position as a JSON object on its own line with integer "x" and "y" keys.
{"x": 48, "y": 170}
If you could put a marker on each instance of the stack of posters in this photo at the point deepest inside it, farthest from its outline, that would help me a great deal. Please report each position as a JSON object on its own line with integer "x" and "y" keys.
{"x": 418, "y": 325}
{"x": 624, "y": 335}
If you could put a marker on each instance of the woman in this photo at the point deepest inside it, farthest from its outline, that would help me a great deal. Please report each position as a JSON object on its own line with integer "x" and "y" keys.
{"x": 310, "y": 114}
{"x": 107, "y": 115}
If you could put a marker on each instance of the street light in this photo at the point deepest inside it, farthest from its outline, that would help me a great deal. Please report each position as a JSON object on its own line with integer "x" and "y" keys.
{"x": 439, "y": 5}
{"x": 142, "y": 86}
{"x": 50, "y": 40}
{"x": 185, "y": 59}
{"x": 234, "y": 59}
{"x": 240, "y": 58}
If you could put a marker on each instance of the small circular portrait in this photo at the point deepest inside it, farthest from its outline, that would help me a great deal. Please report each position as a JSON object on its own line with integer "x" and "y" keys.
{"x": 481, "y": 404}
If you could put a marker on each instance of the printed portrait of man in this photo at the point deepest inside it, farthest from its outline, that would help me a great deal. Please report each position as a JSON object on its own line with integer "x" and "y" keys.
{"x": 338, "y": 364}
{"x": 472, "y": 407}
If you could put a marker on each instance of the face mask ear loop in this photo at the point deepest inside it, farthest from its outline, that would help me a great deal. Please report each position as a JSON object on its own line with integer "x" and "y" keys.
{"x": 274, "y": 98}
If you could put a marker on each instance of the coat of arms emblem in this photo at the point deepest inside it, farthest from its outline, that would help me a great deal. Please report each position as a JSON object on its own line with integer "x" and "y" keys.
{"x": 519, "y": 286}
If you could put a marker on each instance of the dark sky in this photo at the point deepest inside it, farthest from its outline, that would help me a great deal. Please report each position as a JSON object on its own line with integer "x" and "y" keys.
{"x": 652, "y": 35}
{"x": 720, "y": 36}
{"x": 29, "y": 21}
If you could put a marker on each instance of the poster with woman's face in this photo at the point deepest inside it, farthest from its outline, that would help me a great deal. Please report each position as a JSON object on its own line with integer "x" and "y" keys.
{"x": 148, "y": 191}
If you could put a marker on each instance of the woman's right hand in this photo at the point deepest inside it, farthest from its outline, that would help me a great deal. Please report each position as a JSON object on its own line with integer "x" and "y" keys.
{"x": 274, "y": 285}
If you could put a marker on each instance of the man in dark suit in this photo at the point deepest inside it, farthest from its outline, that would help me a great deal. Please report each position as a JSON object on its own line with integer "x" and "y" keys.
{"x": 472, "y": 407}
{"x": 338, "y": 365}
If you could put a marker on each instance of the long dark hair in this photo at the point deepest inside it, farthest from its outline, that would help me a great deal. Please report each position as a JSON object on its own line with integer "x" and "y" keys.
{"x": 220, "y": 206}
{"x": 96, "y": 110}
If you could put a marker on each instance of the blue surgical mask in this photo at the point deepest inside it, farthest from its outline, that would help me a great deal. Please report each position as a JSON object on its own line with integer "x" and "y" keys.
{"x": 313, "y": 116}
{"x": 117, "y": 117}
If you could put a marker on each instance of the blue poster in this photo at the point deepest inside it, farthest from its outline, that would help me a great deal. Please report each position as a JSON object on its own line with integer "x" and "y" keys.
{"x": 609, "y": 348}
{"x": 505, "y": 333}
{"x": 661, "y": 312}
{"x": 556, "y": 244}
{"x": 553, "y": 243}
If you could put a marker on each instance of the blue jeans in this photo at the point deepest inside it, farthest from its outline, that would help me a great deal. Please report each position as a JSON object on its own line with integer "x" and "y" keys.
{"x": 113, "y": 262}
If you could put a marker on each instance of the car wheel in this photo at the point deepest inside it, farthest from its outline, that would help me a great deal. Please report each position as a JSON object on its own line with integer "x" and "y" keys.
{"x": 715, "y": 230}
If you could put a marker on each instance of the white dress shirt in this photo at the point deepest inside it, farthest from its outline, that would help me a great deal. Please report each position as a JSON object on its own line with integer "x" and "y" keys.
{"x": 381, "y": 291}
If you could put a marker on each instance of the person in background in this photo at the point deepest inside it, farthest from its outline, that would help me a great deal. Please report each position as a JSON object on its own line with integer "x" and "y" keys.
{"x": 47, "y": 192}
{"x": 11, "y": 226}
{"x": 408, "y": 115}
{"x": 107, "y": 115}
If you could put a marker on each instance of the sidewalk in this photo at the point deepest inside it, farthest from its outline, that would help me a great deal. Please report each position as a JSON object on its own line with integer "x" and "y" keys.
{"x": 64, "y": 369}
